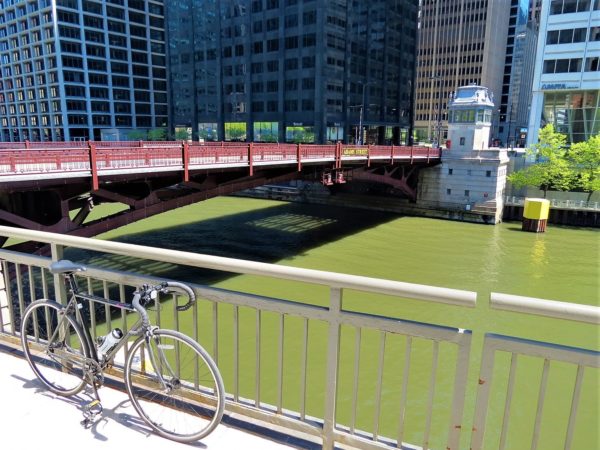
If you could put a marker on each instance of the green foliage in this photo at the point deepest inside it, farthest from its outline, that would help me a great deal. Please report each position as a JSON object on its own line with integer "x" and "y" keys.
{"x": 157, "y": 134}
{"x": 137, "y": 135}
{"x": 181, "y": 135}
{"x": 559, "y": 167}
{"x": 585, "y": 156}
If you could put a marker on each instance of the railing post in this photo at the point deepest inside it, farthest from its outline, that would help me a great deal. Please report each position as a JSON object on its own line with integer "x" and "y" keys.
{"x": 369, "y": 155}
{"x": 27, "y": 144}
{"x": 299, "y": 156}
{"x": 460, "y": 387}
{"x": 60, "y": 290}
{"x": 250, "y": 158}
{"x": 392, "y": 155}
{"x": 411, "y": 154}
{"x": 428, "y": 150}
{"x": 93, "y": 167}
{"x": 333, "y": 351}
{"x": 483, "y": 394}
{"x": 185, "y": 155}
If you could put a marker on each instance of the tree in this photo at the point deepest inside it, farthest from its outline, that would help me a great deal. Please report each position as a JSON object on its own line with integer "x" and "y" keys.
{"x": 181, "y": 134}
{"x": 585, "y": 157}
{"x": 552, "y": 169}
{"x": 157, "y": 134}
{"x": 137, "y": 135}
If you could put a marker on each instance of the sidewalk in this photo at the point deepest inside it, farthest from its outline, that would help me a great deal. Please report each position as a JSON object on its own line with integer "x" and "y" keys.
{"x": 32, "y": 417}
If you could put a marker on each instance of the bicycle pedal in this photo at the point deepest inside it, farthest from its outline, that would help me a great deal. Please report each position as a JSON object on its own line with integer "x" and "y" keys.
{"x": 92, "y": 409}
{"x": 86, "y": 423}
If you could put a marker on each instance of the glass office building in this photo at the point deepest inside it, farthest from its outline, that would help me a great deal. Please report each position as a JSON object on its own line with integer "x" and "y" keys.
{"x": 292, "y": 70}
{"x": 81, "y": 69}
{"x": 567, "y": 74}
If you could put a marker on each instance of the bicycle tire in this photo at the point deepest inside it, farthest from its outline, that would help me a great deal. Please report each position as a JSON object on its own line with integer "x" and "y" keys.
{"x": 192, "y": 404}
{"x": 59, "y": 364}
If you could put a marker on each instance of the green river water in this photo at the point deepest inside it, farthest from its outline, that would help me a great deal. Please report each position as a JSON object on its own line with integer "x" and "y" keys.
{"x": 561, "y": 264}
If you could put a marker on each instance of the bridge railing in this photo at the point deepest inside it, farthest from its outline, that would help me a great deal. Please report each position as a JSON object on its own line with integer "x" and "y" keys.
{"x": 311, "y": 364}
{"x": 558, "y": 204}
{"x": 104, "y": 157}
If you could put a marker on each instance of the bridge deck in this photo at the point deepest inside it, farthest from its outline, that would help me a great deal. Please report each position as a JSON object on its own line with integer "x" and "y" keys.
{"x": 32, "y": 417}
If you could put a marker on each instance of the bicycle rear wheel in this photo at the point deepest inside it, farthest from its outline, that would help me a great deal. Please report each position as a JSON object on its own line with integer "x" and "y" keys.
{"x": 175, "y": 386}
{"x": 54, "y": 346}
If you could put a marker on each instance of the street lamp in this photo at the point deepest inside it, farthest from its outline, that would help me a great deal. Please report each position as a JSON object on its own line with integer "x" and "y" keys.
{"x": 439, "y": 114}
{"x": 362, "y": 107}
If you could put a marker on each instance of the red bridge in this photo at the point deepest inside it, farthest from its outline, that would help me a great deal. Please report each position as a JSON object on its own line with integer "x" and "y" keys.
{"x": 41, "y": 182}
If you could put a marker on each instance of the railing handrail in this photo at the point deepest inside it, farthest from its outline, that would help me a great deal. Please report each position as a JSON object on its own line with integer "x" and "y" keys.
{"x": 556, "y": 203}
{"x": 547, "y": 308}
{"x": 333, "y": 279}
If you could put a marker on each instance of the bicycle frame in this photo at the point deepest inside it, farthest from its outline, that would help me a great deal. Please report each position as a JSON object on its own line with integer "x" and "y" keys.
{"x": 136, "y": 330}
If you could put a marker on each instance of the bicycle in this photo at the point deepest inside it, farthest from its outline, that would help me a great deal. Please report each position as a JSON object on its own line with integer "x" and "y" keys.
{"x": 172, "y": 382}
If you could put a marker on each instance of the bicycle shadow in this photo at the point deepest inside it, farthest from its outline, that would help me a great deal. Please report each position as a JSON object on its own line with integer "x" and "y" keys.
{"x": 118, "y": 413}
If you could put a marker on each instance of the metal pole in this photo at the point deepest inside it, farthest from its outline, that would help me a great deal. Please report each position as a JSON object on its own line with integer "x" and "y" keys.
{"x": 362, "y": 105}
{"x": 360, "y": 120}
{"x": 510, "y": 142}
{"x": 439, "y": 114}
{"x": 439, "y": 137}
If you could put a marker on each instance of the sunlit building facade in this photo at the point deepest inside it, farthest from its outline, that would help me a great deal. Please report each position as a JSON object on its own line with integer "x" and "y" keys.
{"x": 81, "y": 69}
{"x": 567, "y": 75}
{"x": 460, "y": 43}
{"x": 292, "y": 70}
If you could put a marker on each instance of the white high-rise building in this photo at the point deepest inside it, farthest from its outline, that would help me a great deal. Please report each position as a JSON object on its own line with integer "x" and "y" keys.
{"x": 567, "y": 75}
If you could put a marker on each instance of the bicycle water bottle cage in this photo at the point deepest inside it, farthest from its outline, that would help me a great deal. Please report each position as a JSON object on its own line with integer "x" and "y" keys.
{"x": 65, "y": 266}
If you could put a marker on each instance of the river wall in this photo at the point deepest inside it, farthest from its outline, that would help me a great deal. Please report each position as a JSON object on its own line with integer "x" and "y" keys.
{"x": 363, "y": 198}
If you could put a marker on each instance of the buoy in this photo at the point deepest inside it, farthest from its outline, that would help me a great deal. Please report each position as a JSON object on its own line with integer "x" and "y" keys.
{"x": 535, "y": 214}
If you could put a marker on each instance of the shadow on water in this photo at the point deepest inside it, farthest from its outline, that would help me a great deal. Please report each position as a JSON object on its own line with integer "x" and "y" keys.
{"x": 269, "y": 234}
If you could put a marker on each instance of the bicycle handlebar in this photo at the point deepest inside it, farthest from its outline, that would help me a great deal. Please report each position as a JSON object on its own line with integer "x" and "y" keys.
{"x": 163, "y": 287}
{"x": 188, "y": 290}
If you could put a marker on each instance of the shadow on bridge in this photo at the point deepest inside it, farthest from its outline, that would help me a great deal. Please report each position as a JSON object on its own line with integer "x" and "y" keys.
{"x": 266, "y": 234}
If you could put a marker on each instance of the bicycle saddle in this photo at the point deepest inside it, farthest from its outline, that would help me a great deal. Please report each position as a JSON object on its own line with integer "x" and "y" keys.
{"x": 66, "y": 266}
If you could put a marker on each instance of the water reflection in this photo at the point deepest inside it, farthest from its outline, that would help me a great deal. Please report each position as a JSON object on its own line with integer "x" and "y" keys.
{"x": 492, "y": 259}
{"x": 537, "y": 256}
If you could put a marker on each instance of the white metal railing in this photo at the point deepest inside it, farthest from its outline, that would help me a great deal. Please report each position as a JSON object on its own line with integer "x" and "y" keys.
{"x": 275, "y": 353}
{"x": 559, "y": 204}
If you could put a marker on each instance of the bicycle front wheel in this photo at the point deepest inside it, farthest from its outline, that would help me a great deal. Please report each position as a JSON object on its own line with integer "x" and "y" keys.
{"x": 54, "y": 346}
{"x": 175, "y": 386}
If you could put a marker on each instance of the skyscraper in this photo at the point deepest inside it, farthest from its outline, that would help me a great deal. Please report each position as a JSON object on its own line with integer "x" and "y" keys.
{"x": 567, "y": 72}
{"x": 81, "y": 69}
{"x": 292, "y": 70}
{"x": 460, "y": 43}
{"x": 519, "y": 64}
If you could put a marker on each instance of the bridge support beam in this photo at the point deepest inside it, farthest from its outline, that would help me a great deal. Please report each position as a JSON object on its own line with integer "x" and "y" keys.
{"x": 396, "y": 176}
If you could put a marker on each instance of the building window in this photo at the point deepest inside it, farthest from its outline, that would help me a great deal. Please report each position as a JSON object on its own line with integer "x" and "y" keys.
{"x": 450, "y": 171}
{"x": 462, "y": 141}
{"x": 562, "y": 65}
{"x": 467, "y": 192}
{"x": 272, "y": 45}
{"x": 569, "y": 6}
{"x": 448, "y": 191}
{"x": 592, "y": 64}
{"x": 488, "y": 173}
{"x": 567, "y": 36}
